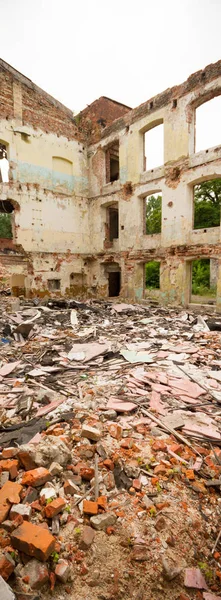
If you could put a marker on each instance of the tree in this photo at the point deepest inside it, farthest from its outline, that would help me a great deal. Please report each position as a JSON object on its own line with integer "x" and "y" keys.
{"x": 5, "y": 226}
{"x": 207, "y": 201}
{"x": 152, "y": 274}
{"x": 153, "y": 214}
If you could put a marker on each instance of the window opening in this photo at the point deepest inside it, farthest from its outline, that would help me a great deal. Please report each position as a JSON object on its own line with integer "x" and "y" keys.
{"x": 112, "y": 163}
{"x": 6, "y": 210}
{"x": 207, "y": 201}
{"x": 114, "y": 283}
{"x": 208, "y": 125}
{"x": 4, "y": 164}
{"x": 204, "y": 280}
{"x": 152, "y": 214}
{"x": 54, "y": 285}
{"x": 154, "y": 147}
{"x": 152, "y": 275}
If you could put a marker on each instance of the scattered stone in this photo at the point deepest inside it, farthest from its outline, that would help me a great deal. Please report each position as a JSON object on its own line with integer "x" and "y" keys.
{"x": 55, "y": 469}
{"x": 55, "y": 507}
{"x": 20, "y": 509}
{"x": 108, "y": 415}
{"x": 4, "y": 477}
{"x": 148, "y": 502}
{"x": 33, "y": 540}
{"x": 160, "y": 524}
{"x": 87, "y": 538}
{"x": 26, "y": 460}
{"x": 48, "y": 493}
{"x": 170, "y": 573}
{"x": 30, "y": 496}
{"x": 101, "y": 522}
{"x": 62, "y": 570}
{"x": 50, "y": 449}
{"x": 37, "y": 573}
{"x": 101, "y": 451}
{"x": 115, "y": 430}
{"x": 207, "y": 596}
{"x": 193, "y": 578}
{"x": 91, "y": 433}
{"x": 5, "y": 590}
{"x": 36, "y": 477}
{"x": 70, "y": 488}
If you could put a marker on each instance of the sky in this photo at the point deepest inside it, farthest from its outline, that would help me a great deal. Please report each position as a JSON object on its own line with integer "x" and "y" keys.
{"x": 128, "y": 50}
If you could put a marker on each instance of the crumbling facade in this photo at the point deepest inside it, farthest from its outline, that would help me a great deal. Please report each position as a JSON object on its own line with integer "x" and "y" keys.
{"x": 77, "y": 189}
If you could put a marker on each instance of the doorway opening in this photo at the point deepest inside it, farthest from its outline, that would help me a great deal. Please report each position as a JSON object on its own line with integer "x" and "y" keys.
{"x": 204, "y": 280}
{"x": 114, "y": 284}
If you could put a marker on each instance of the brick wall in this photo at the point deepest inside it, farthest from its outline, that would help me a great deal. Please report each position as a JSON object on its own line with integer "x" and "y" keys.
{"x": 6, "y": 95}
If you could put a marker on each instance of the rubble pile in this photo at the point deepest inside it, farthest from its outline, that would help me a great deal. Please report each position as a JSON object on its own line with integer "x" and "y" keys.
{"x": 110, "y": 452}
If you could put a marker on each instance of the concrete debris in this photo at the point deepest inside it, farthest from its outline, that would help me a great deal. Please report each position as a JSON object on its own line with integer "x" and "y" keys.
{"x": 5, "y": 591}
{"x": 125, "y": 469}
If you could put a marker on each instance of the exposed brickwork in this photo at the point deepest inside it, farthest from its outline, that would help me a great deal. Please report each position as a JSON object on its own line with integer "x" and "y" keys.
{"x": 6, "y": 95}
{"x": 101, "y": 113}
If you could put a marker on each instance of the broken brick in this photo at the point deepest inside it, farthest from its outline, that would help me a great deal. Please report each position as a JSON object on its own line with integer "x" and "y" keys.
{"x": 10, "y": 465}
{"x": 36, "y": 477}
{"x": 115, "y": 430}
{"x": 54, "y": 507}
{"x": 33, "y": 540}
{"x": 37, "y": 574}
{"x": 9, "y": 494}
{"x": 89, "y": 507}
{"x": 7, "y": 566}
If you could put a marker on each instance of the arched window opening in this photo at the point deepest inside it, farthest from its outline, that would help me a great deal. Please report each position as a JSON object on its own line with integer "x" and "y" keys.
{"x": 4, "y": 164}
{"x": 6, "y": 225}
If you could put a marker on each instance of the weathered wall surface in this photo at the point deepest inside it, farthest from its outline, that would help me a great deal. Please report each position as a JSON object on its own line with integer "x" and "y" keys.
{"x": 58, "y": 186}
{"x": 178, "y": 244}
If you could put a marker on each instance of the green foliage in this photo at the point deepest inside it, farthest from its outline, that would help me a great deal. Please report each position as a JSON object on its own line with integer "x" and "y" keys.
{"x": 153, "y": 214}
{"x": 152, "y": 275}
{"x": 207, "y": 200}
{"x": 55, "y": 557}
{"x": 5, "y": 226}
{"x": 201, "y": 278}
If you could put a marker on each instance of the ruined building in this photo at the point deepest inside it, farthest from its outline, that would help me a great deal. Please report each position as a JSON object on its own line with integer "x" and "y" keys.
{"x": 76, "y": 190}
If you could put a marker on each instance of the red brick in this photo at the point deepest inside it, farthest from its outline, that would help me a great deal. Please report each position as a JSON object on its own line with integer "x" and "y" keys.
{"x": 54, "y": 507}
{"x": 26, "y": 460}
{"x": 87, "y": 473}
{"x": 33, "y": 540}
{"x": 7, "y": 566}
{"x": 91, "y": 508}
{"x": 108, "y": 464}
{"x": 137, "y": 484}
{"x": 36, "y": 477}
{"x": 102, "y": 502}
{"x": 9, "y": 452}
{"x": 10, "y": 465}
{"x": 159, "y": 445}
{"x": 9, "y": 494}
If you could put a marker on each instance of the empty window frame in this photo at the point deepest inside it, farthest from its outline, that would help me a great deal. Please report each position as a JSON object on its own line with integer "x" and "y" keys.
{"x": 54, "y": 285}
{"x": 206, "y": 202}
{"x": 153, "y": 213}
{"x": 208, "y": 125}
{"x": 4, "y": 164}
{"x": 152, "y": 275}
{"x": 6, "y": 219}
{"x": 204, "y": 279}
{"x": 154, "y": 147}
{"x": 112, "y": 162}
